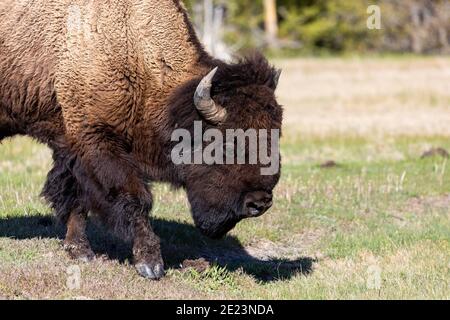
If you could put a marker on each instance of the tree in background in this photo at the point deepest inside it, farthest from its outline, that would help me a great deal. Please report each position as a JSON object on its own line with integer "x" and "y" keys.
{"x": 327, "y": 25}
{"x": 419, "y": 26}
{"x": 271, "y": 22}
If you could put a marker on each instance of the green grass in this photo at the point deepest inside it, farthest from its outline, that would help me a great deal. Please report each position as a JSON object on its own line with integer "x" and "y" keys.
{"x": 382, "y": 214}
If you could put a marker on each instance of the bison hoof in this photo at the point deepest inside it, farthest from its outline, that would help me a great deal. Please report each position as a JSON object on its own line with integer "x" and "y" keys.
{"x": 79, "y": 252}
{"x": 86, "y": 258}
{"x": 148, "y": 272}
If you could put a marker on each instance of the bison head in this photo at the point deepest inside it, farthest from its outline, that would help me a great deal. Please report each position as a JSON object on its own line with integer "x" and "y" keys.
{"x": 231, "y": 97}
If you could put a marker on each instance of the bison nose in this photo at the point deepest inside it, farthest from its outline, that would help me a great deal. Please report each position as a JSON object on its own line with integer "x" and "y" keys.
{"x": 257, "y": 203}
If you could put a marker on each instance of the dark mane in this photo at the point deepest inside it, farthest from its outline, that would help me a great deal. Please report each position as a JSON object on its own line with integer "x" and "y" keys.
{"x": 254, "y": 69}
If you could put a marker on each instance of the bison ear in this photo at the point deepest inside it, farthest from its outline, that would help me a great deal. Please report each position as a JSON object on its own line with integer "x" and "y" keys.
{"x": 273, "y": 83}
{"x": 276, "y": 78}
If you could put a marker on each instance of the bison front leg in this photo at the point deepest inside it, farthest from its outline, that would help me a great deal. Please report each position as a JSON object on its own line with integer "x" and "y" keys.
{"x": 117, "y": 192}
{"x": 134, "y": 210}
{"x": 147, "y": 250}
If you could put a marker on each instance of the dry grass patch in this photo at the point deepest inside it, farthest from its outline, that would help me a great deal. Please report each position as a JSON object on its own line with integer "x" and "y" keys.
{"x": 366, "y": 97}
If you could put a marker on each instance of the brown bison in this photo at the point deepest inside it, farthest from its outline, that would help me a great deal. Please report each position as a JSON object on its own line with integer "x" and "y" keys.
{"x": 104, "y": 84}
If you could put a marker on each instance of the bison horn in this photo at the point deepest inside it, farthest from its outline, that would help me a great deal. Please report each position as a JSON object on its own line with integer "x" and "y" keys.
{"x": 205, "y": 104}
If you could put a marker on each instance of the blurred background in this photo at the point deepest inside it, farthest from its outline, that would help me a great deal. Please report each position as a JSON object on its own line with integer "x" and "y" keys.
{"x": 351, "y": 67}
{"x": 322, "y": 26}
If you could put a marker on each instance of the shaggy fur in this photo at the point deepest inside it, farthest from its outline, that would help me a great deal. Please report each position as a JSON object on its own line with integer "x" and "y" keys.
{"x": 104, "y": 84}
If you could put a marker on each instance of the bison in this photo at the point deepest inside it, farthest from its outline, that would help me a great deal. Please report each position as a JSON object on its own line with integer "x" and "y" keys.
{"x": 104, "y": 84}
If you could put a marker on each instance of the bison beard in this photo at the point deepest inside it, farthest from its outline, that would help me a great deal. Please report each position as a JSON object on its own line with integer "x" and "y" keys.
{"x": 107, "y": 110}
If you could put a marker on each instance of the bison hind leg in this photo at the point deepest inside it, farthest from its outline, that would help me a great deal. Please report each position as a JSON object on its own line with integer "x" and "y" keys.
{"x": 63, "y": 193}
{"x": 61, "y": 189}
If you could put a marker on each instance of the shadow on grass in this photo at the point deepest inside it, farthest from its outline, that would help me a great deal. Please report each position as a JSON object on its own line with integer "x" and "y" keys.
{"x": 179, "y": 242}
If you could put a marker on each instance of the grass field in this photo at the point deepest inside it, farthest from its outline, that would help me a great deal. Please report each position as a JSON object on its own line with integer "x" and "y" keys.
{"x": 373, "y": 222}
